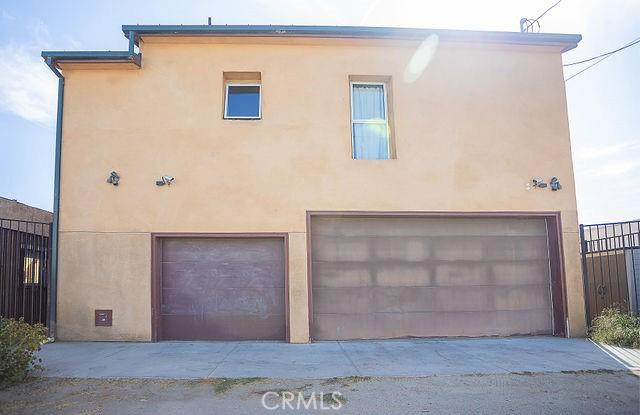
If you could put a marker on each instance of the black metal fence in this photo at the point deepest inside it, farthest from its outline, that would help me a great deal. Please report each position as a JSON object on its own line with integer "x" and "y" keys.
{"x": 611, "y": 266}
{"x": 25, "y": 252}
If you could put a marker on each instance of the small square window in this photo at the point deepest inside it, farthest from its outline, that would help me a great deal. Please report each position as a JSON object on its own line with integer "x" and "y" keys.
{"x": 242, "y": 101}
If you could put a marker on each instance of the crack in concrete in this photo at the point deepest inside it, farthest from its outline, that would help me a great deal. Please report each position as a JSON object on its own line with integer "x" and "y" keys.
{"x": 223, "y": 360}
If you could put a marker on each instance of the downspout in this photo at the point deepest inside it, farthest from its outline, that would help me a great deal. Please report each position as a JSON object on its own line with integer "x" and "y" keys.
{"x": 53, "y": 271}
{"x": 132, "y": 44}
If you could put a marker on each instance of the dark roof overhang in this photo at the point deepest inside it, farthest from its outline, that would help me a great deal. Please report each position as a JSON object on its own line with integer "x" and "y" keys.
{"x": 564, "y": 41}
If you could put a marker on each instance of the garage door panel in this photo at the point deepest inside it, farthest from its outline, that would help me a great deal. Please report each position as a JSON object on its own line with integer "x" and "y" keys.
{"x": 488, "y": 248}
{"x": 412, "y": 275}
{"x": 521, "y": 272}
{"x": 420, "y": 226}
{"x": 430, "y": 324}
{"x": 253, "y": 303}
{"x": 434, "y": 274}
{"x": 414, "y": 248}
{"x": 179, "y": 302}
{"x": 441, "y": 247}
{"x": 359, "y": 326}
{"x": 491, "y": 273}
{"x": 220, "y": 275}
{"x": 493, "y": 323}
{"x": 183, "y": 327}
{"x": 380, "y": 277}
{"x": 249, "y": 301}
{"x": 215, "y": 250}
{"x": 337, "y": 249}
{"x": 361, "y": 300}
{"x": 339, "y": 275}
{"x": 344, "y": 300}
{"x": 222, "y": 289}
{"x": 369, "y": 274}
{"x": 516, "y": 248}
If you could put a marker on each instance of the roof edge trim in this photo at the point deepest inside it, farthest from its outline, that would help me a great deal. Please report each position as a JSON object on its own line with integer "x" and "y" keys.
{"x": 564, "y": 41}
{"x": 92, "y": 56}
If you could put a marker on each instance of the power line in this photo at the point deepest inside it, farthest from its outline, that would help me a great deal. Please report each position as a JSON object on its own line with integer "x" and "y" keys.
{"x": 590, "y": 66}
{"x": 530, "y": 23}
{"x": 633, "y": 42}
{"x": 602, "y": 57}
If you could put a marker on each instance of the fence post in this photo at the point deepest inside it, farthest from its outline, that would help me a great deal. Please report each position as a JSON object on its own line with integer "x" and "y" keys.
{"x": 585, "y": 276}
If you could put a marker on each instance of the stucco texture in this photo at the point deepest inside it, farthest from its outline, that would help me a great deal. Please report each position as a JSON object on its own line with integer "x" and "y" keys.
{"x": 104, "y": 271}
{"x": 469, "y": 134}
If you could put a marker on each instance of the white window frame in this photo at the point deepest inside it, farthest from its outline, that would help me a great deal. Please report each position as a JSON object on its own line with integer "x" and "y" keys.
{"x": 226, "y": 101}
{"x": 384, "y": 122}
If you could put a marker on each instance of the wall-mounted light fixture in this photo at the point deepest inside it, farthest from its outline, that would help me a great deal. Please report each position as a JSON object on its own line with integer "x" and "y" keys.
{"x": 165, "y": 180}
{"x": 538, "y": 182}
{"x": 114, "y": 178}
{"x": 555, "y": 184}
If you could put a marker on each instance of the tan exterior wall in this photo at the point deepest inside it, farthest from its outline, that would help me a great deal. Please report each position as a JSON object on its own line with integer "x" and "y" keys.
{"x": 470, "y": 133}
{"x": 104, "y": 271}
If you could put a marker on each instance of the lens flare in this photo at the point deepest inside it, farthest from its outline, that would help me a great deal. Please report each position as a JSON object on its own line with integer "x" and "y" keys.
{"x": 421, "y": 59}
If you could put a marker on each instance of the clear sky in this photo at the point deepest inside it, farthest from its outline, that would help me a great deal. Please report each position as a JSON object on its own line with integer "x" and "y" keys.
{"x": 604, "y": 102}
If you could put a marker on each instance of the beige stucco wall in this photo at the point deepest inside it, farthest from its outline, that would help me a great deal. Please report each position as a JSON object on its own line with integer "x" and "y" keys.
{"x": 104, "y": 271}
{"x": 470, "y": 133}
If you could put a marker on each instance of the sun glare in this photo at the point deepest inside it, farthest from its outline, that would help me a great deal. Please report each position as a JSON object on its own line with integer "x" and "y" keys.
{"x": 421, "y": 59}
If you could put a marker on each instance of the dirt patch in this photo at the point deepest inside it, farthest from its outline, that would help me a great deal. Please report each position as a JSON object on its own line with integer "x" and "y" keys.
{"x": 223, "y": 385}
{"x": 585, "y": 392}
{"x": 280, "y": 391}
{"x": 347, "y": 381}
{"x": 331, "y": 400}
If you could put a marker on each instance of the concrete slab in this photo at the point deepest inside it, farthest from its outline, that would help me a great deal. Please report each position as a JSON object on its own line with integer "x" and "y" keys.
{"x": 280, "y": 360}
{"x": 394, "y": 358}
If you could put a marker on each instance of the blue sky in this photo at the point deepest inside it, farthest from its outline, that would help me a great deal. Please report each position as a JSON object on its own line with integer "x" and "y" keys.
{"x": 604, "y": 102}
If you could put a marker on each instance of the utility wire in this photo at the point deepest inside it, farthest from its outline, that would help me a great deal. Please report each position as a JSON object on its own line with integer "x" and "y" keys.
{"x": 540, "y": 17}
{"x": 633, "y": 42}
{"x": 590, "y": 66}
{"x": 602, "y": 57}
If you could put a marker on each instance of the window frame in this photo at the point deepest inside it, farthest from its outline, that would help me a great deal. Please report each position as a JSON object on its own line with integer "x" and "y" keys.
{"x": 226, "y": 101}
{"x": 385, "y": 122}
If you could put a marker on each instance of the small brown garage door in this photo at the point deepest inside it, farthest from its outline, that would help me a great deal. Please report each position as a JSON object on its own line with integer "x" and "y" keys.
{"x": 222, "y": 289}
{"x": 390, "y": 277}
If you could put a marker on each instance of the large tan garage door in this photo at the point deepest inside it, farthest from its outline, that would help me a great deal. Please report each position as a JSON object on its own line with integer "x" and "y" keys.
{"x": 222, "y": 289}
{"x": 389, "y": 277}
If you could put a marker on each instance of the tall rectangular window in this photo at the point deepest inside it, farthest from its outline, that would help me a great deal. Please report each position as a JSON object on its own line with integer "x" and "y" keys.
{"x": 369, "y": 121}
{"x": 242, "y": 101}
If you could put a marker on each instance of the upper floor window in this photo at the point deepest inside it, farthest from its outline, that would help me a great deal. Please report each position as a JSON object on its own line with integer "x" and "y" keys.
{"x": 242, "y": 101}
{"x": 369, "y": 121}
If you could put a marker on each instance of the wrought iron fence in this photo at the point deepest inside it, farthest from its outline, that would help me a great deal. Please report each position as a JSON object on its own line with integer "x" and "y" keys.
{"x": 611, "y": 266}
{"x": 24, "y": 269}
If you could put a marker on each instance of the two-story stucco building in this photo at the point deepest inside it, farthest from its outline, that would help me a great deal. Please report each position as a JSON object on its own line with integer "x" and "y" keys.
{"x": 306, "y": 183}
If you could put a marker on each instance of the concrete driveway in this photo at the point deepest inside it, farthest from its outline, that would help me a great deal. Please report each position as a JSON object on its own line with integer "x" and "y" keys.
{"x": 390, "y": 358}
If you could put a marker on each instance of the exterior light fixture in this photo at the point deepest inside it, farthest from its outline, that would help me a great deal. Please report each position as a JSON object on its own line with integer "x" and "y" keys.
{"x": 538, "y": 182}
{"x": 165, "y": 180}
{"x": 555, "y": 184}
{"x": 114, "y": 178}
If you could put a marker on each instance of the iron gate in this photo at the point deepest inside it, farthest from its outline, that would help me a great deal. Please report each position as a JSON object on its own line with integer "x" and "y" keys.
{"x": 611, "y": 266}
{"x": 25, "y": 252}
